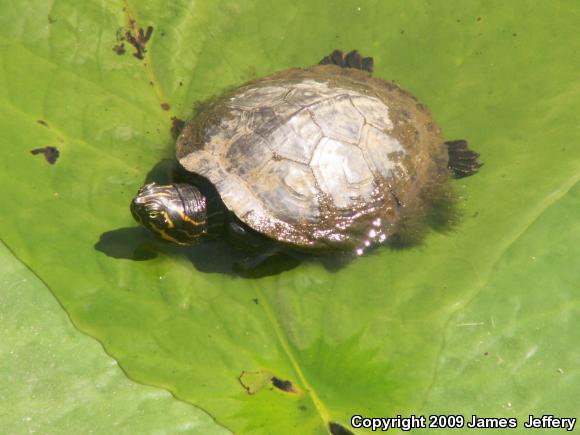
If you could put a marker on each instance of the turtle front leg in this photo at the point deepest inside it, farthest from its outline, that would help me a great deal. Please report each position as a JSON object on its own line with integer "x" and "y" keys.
{"x": 261, "y": 256}
{"x": 462, "y": 160}
{"x": 270, "y": 262}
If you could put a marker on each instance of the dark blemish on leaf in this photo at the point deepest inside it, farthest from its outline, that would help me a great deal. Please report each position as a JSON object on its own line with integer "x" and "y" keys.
{"x": 283, "y": 385}
{"x": 165, "y": 106}
{"x": 338, "y": 429}
{"x": 51, "y": 19}
{"x": 145, "y": 35}
{"x": 120, "y": 34}
{"x": 303, "y": 408}
{"x": 256, "y": 301}
{"x": 119, "y": 49}
{"x": 148, "y": 33}
{"x": 176, "y": 126}
{"x": 180, "y": 83}
{"x": 138, "y": 47}
{"x": 478, "y": 18}
{"x": 514, "y": 34}
{"x": 486, "y": 353}
{"x": 402, "y": 32}
{"x": 458, "y": 20}
{"x": 151, "y": 83}
{"x": 256, "y": 381}
{"x": 138, "y": 39}
{"x": 50, "y": 154}
{"x": 42, "y": 122}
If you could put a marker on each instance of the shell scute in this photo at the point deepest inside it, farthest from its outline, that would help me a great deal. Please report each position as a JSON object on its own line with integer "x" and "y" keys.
{"x": 374, "y": 112}
{"x": 288, "y": 190}
{"x": 247, "y": 155}
{"x": 382, "y": 152}
{"x": 297, "y": 138}
{"x": 342, "y": 171}
{"x": 338, "y": 119}
{"x": 255, "y": 97}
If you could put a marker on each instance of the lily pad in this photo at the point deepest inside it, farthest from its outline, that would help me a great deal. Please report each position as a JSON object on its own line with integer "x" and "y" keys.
{"x": 57, "y": 380}
{"x": 377, "y": 337}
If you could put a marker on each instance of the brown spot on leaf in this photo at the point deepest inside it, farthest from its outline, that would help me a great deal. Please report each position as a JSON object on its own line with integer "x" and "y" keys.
{"x": 42, "y": 122}
{"x": 138, "y": 37}
{"x": 338, "y": 429}
{"x": 283, "y": 385}
{"x": 119, "y": 49}
{"x": 256, "y": 381}
{"x": 165, "y": 106}
{"x": 50, "y": 154}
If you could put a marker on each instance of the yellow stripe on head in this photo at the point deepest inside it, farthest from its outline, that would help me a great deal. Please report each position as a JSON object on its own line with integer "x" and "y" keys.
{"x": 186, "y": 218}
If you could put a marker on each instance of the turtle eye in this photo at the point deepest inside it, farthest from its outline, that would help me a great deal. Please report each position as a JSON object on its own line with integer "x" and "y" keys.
{"x": 174, "y": 212}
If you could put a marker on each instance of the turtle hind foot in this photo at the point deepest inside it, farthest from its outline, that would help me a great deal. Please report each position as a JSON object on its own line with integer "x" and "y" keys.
{"x": 462, "y": 160}
{"x": 352, "y": 59}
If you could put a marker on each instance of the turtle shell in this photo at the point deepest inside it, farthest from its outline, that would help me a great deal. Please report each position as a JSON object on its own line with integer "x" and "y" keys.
{"x": 320, "y": 157}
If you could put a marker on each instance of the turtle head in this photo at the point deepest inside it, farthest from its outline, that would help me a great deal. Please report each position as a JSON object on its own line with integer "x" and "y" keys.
{"x": 174, "y": 212}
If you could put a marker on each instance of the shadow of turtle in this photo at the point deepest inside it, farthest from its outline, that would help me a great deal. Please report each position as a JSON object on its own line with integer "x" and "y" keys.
{"x": 210, "y": 256}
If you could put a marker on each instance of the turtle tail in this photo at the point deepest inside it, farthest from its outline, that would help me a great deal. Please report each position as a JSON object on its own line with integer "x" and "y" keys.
{"x": 352, "y": 59}
{"x": 462, "y": 160}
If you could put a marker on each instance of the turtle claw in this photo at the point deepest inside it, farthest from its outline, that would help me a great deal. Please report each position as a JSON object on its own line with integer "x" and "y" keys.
{"x": 352, "y": 59}
{"x": 462, "y": 160}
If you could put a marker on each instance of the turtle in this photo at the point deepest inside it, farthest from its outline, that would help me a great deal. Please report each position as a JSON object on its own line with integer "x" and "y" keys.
{"x": 324, "y": 159}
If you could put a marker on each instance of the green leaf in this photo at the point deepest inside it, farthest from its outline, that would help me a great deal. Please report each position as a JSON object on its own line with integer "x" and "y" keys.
{"x": 511, "y": 350}
{"x": 380, "y": 337}
{"x": 56, "y": 380}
